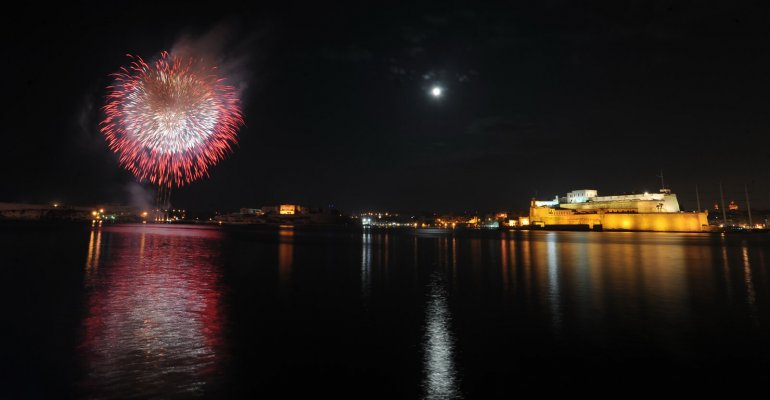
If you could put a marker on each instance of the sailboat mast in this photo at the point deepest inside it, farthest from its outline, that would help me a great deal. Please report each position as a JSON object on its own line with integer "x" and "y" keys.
{"x": 748, "y": 205}
{"x": 662, "y": 183}
{"x": 724, "y": 213}
{"x": 697, "y": 198}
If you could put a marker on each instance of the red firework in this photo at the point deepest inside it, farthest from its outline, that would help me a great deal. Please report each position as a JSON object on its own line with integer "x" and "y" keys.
{"x": 171, "y": 120}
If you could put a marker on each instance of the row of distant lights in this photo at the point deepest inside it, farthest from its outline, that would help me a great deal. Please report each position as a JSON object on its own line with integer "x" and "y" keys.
{"x": 367, "y": 222}
{"x": 745, "y": 226}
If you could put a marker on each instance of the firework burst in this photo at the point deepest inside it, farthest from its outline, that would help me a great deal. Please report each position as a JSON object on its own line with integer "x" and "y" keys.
{"x": 171, "y": 120}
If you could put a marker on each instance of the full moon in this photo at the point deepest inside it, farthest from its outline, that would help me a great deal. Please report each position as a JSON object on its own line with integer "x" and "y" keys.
{"x": 436, "y": 91}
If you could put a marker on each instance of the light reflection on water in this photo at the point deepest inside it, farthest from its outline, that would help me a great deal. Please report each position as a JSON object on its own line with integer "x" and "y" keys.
{"x": 483, "y": 304}
{"x": 554, "y": 300}
{"x": 94, "y": 247}
{"x": 154, "y": 319}
{"x": 440, "y": 372}
{"x": 366, "y": 265}
{"x": 750, "y": 294}
{"x": 661, "y": 290}
{"x": 285, "y": 253}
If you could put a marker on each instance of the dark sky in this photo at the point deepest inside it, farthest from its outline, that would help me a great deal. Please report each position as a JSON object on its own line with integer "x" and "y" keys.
{"x": 540, "y": 99}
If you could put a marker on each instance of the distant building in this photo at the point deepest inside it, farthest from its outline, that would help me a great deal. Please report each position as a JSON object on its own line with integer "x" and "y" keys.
{"x": 251, "y": 211}
{"x": 107, "y": 212}
{"x": 289, "y": 209}
{"x": 291, "y": 214}
{"x": 285, "y": 209}
{"x": 588, "y": 199}
{"x": 580, "y": 196}
{"x": 732, "y": 206}
{"x": 644, "y": 211}
{"x": 494, "y": 224}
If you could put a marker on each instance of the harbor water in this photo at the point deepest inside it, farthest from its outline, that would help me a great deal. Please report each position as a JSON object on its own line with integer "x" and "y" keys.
{"x": 183, "y": 311}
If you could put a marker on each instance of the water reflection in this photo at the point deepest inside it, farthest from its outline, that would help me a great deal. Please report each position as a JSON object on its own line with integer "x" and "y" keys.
{"x": 751, "y": 295}
{"x": 726, "y": 267}
{"x": 386, "y": 250}
{"x": 576, "y": 298}
{"x": 285, "y": 252}
{"x": 504, "y": 271}
{"x": 366, "y": 264}
{"x": 94, "y": 247}
{"x": 579, "y": 278}
{"x": 440, "y": 373}
{"x": 554, "y": 298}
{"x": 154, "y": 319}
{"x": 454, "y": 261}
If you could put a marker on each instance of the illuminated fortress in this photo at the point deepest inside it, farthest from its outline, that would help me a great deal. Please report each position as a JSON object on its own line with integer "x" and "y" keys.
{"x": 634, "y": 212}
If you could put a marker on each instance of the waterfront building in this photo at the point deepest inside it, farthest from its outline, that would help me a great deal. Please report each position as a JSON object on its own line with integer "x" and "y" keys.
{"x": 644, "y": 212}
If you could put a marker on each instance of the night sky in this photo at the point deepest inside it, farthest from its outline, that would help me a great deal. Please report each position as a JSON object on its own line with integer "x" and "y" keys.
{"x": 539, "y": 100}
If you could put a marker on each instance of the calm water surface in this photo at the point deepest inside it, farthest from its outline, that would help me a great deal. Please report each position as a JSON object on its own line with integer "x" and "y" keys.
{"x": 144, "y": 311}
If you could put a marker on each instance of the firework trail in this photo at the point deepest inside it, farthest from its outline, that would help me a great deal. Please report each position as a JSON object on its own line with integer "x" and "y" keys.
{"x": 171, "y": 120}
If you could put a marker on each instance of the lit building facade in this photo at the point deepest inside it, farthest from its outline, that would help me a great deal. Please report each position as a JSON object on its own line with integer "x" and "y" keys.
{"x": 643, "y": 212}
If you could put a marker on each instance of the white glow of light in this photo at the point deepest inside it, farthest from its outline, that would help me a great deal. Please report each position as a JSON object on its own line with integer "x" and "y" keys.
{"x": 436, "y": 91}
{"x": 553, "y": 281}
{"x": 440, "y": 374}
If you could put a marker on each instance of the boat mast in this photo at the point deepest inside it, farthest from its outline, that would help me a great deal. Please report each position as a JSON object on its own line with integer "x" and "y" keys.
{"x": 724, "y": 213}
{"x": 697, "y": 197}
{"x": 662, "y": 183}
{"x": 748, "y": 205}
